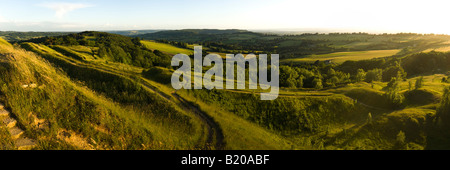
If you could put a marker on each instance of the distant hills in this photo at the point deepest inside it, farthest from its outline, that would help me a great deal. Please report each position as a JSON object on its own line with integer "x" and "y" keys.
{"x": 293, "y": 45}
{"x": 132, "y": 32}
{"x": 13, "y": 36}
{"x": 195, "y": 35}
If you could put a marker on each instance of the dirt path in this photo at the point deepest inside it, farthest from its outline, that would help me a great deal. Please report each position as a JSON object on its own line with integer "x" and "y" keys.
{"x": 214, "y": 130}
{"x": 20, "y": 141}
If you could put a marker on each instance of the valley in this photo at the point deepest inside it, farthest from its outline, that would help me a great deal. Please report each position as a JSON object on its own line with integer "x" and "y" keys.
{"x": 100, "y": 90}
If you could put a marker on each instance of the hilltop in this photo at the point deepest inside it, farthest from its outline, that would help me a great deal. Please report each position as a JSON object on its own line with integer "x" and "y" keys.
{"x": 108, "y": 47}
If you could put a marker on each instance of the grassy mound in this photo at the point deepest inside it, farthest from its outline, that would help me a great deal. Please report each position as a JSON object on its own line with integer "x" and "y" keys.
{"x": 369, "y": 97}
{"x": 421, "y": 97}
{"x": 286, "y": 115}
{"x": 167, "y": 48}
{"x": 159, "y": 74}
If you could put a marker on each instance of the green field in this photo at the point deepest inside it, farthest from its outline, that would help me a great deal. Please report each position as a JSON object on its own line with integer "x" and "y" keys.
{"x": 167, "y": 48}
{"x": 341, "y": 57}
{"x": 3, "y": 42}
{"x": 440, "y": 49}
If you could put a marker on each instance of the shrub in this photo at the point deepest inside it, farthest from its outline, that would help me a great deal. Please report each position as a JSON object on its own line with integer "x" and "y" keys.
{"x": 374, "y": 75}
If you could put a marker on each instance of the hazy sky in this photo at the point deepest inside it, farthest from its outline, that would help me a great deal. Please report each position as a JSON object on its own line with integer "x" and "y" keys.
{"x": 430, "y": 16}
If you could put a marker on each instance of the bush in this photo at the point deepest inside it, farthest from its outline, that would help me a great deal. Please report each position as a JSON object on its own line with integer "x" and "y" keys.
{"x": 317, "y": 83}
{"x": 443, "y": 111}
{"x": 419, "y": 83}
{"x": 360, "y": 75}
{"x": 374, "y": 75}
{"x": 286, "y": 114}
{"x": 393, "y": 94}
{"x": 159, "y": 74}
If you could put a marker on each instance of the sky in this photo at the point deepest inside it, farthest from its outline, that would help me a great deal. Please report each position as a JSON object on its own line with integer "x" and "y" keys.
{"x": 375, "y": 16}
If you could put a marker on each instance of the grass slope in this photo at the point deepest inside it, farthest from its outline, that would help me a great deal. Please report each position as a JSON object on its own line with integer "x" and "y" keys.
{"x": 166, "y": 48}
{"x": 341, "y": 57}
{"x": 335, "y": 118}
{"x": 78, "y": 117}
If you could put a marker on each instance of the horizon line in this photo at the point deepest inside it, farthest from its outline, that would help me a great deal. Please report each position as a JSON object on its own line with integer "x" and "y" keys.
{"x": 260, "y": 30}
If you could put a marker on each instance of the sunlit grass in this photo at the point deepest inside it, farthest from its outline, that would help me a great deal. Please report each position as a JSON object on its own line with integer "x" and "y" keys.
{"x": 167, "y": 48}
{"x": 239, "y": 133}
{"x": 341, "y": 57}
{"x": 127, "y": 127}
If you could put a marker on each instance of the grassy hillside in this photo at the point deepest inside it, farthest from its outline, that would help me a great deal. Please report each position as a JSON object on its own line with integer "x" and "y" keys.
{"x": 368, "y": 103}
{"x": 427, "y": 63}
{"x": 166, "y": 48}
{"x": 439, "y": 49}
{"x": 88, "y": 71}
{"x": 21, "y": 36}
{"x": 109, "y": 47}
{"x": 78, "y": 69}
{"x": 299, "y": 45}
{"x": 4, "y": 43}
{"x": 77, "y": 117}
{"x": 341, "y": 57}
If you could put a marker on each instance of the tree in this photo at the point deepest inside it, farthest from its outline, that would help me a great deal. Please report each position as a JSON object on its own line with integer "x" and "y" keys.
{"x": 410, "y": 86}
{"x": 393, "y": 94}
{"x": 369, "y": 118}
{"x": 317, "y": 83}
{"x": 374, "y": 75}
{"x": 443, "y": 111}
{"x": 401, "y": 140}
{"x": 393, "y": 84}
{"x": 331, "y": 72}
{"x": 419, "y": 83}
{"x": 333, "y": 81}
{"x": 300, "y": 81}
{"x": 394, "y": 71}
{"x": 288, "y": 77}
{"x": 102, "y": 52}
{"x": 136, "y": 41}
{"x": 70, "y": 40}
{"x": 360, "y": 75}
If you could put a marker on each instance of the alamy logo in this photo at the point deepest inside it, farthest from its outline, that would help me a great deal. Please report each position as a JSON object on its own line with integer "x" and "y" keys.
{"x": 216, "y": 72}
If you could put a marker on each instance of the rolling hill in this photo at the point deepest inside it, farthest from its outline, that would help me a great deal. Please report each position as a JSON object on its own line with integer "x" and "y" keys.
{"x": 73, "y": 116}
{"x": 299, "y": 45}
{"x": 106, "y": 96}
{"x": 93, "y": 90}
{"x": 22, "y": 36}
